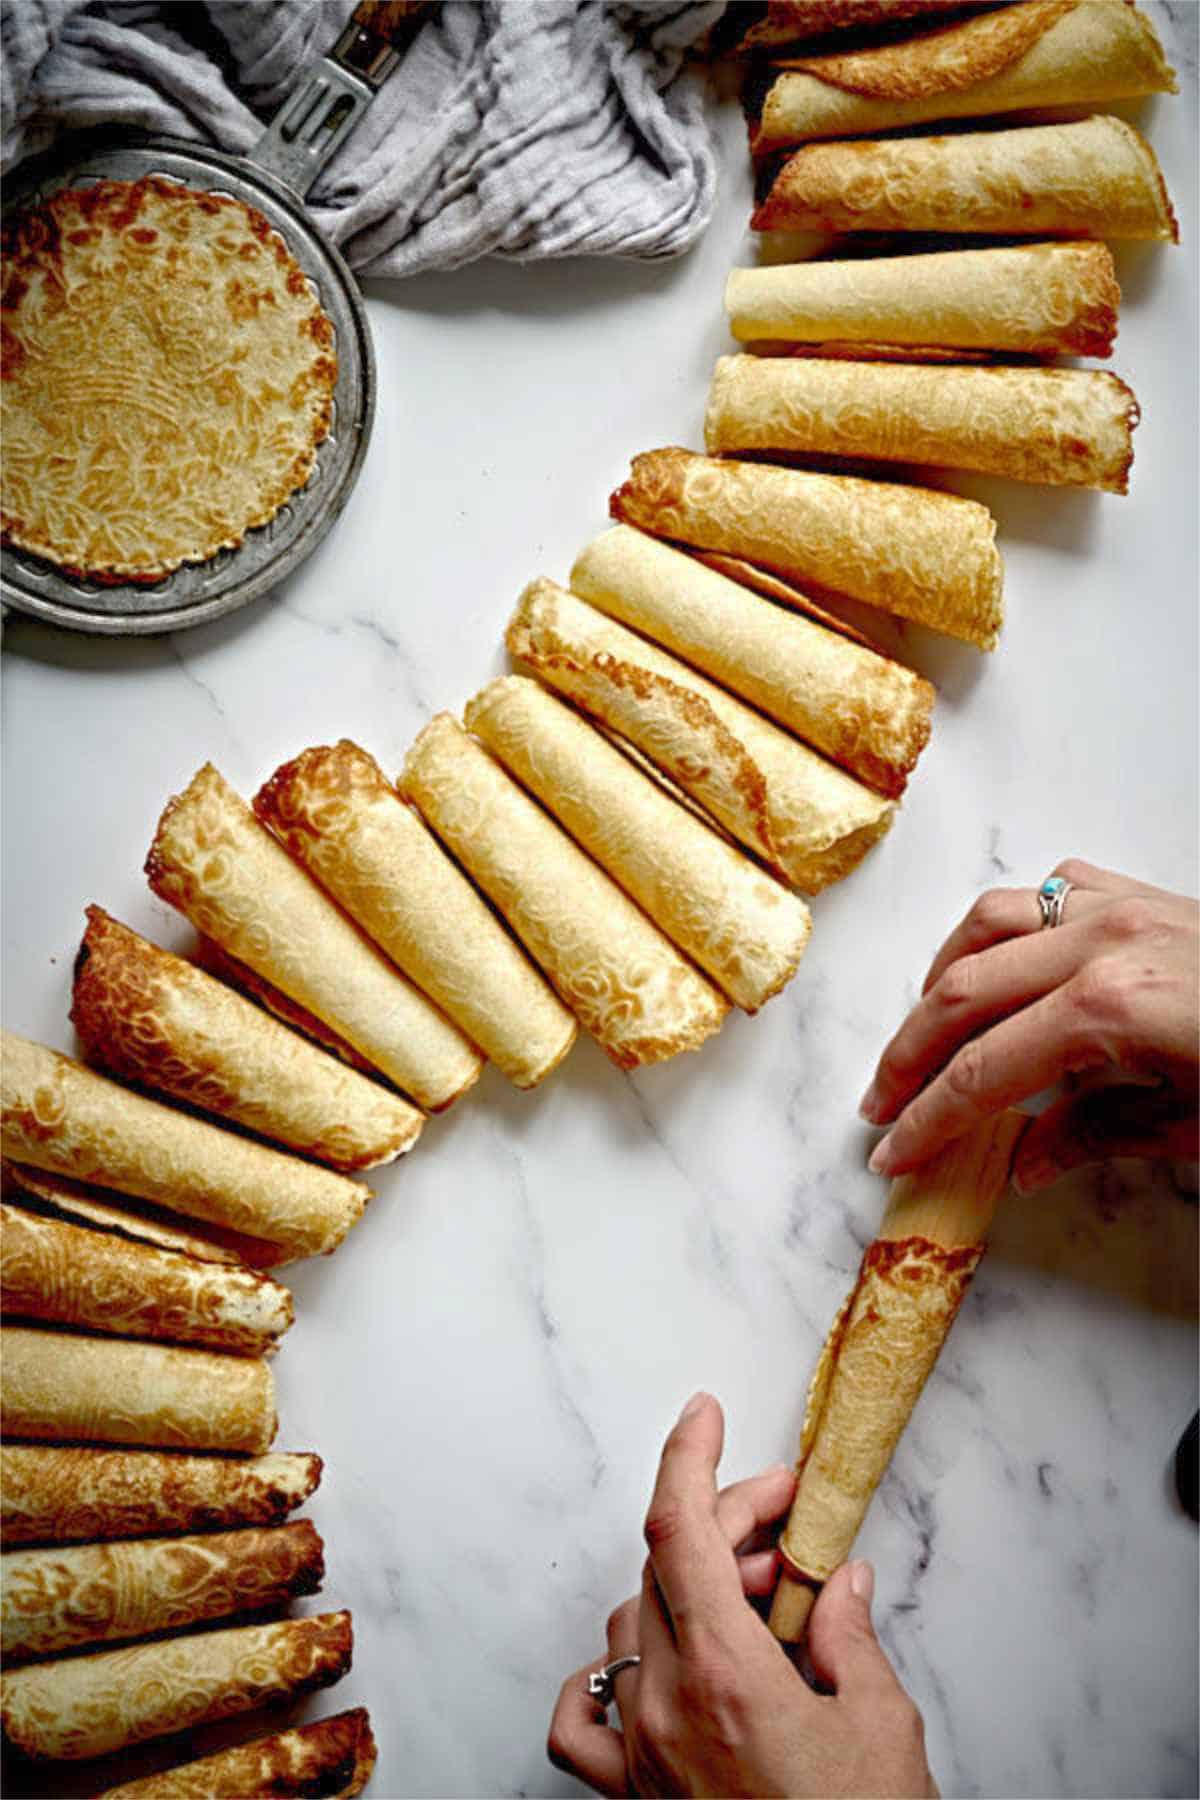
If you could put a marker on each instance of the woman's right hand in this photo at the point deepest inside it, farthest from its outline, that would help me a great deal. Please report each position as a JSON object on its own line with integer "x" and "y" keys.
{"x": 1108, "y": 1002}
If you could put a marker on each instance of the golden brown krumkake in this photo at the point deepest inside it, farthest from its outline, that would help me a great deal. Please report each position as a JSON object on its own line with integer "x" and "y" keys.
{"x": 57, "y": 1385}
{"x": 868, "y": 713}
{"x": 62, "y": 1596}
{"x": 625, "y": 982}
{"x": 59, "y": 1115}
{"x": 805, "y": 818}
{"x": 735, "y": 921}
{"x": 53, "y": 1493}
{"x": 331, "y": 1759}
{"x": 80, "y": 1706}
{"x": 1035, "y": 54}
{"x": 151, "y": 1018}
{"x": 1095, "y": 178}
{"x": 333, "y": 810}
{"x": 1035, "y": 299}
{"x": 1067, "y": 427}
{"x": 66, "y": 1274}
{"x": 927, "y": 556}
{"x": 225, "y": 872}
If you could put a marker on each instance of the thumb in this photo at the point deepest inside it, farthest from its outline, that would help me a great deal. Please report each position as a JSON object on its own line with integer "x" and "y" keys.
{"x": 1101, "y": 1122}
{"x": 842, "y": 1645}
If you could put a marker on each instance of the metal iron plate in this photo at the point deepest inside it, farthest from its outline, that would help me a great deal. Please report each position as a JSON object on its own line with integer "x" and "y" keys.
{"x": 198, "y": 592}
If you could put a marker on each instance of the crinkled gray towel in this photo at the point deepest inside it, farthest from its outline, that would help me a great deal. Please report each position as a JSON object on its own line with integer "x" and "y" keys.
{"x": 526, "y": 128}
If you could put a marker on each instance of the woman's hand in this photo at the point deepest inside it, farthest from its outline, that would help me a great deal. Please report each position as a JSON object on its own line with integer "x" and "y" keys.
{"x": 1107, "y": 1002}
{"x": 716, "y": 1707}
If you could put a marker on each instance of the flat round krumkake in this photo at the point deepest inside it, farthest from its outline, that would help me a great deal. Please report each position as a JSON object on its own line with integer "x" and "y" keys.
{"x": 168, "y": 376}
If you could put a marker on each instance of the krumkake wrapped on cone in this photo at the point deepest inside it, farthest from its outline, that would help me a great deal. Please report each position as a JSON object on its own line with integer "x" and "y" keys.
{"x": 626, "y": 983}
{"x": 927, "y": 556}
{"x": 333, "y": 810}
{"x": 69, "y": 1275}
{"x": 332, "y": 1758}
{"x": 62, "y": 1596}
{"x": 1033, "y": 299}
{"x": 1036, "y": 54}
{"x": 1066, "y": 427}
{"x": 59, "y": 1115}
{"x": 52, "y": 1493}
{"x": 56, "y": 1385}
{"x": 735, "y": 921}
{"x": 225, "y": 872}
{"x": 881, "y": 1351}
{"x": 80, "y": 1706}
{"x": 871, "y": 715}
{"x": 152, "y": 1018}
{"x": 99, "y": 1209}
{"x": 806, "y": 819}
{"x": 1097, "y": 178}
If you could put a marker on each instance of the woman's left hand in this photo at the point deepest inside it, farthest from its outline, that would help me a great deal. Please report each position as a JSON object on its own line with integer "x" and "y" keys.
{"x": 716, "y": 1706}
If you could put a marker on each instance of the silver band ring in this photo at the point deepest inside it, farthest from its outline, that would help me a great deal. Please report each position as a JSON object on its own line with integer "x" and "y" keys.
{"x": 1052, "y": 899}
{"x": 600, "y": 1681}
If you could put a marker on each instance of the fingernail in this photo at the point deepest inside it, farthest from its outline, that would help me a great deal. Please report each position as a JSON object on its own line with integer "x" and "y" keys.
{"x": 694, "y": 1404}
{"x": 862, "y": 1581}
{"x": 880, "y": 1162}
{"x": 868, "y": 1106}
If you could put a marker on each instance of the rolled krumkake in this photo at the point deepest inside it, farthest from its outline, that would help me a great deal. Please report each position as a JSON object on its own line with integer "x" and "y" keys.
{"x": 59, "y": 1115}
{"x": 743, "y": 929}
{"x": 60, "y": 1597}
{"x": 80, "y": 1706}
{"x": 56, "y": 1385}
{"x": 69, "y": 1275}
{"x": 82, "y": 1203}
{"x": 52, "y": 1493}
{"x": 1096, "y": 178}
{"x": 802, "y": 816}
{"x": 871, "y": 715}
{"x": 1034, "y": 299}
{"x": 213, "y": 860}
{"x": 1037, "y": 54}
{"x": 152, "y": 1018}
{"x": 927, "y": 556}
{"x": 626, "y": 983}
{"x": 332, "y": 1757}
{"x": 881, "y": 1351}
{"x": 1067, "y": 427}
{"x": 332, "y": 809}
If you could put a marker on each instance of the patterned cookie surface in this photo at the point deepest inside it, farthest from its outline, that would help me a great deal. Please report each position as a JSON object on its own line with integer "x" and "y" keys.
{"x": 168, "y": 376}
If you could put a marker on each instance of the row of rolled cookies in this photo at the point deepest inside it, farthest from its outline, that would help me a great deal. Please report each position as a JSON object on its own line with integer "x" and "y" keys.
{"x": 1069, "y": 427}
{"x": 1096, "y": 177}
{"x": 798, "y": 813}
{"x": 1034, "y": 54}
{"x": 59, "y": 1116}
{"x": 332, "y": 892}
{"x": 926, "y": 556}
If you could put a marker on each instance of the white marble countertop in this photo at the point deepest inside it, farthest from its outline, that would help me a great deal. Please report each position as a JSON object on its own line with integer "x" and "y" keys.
{"x": 490, "y": 1362}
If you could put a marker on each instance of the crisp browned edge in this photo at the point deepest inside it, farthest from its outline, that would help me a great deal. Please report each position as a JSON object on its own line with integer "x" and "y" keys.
{"x": 273, "y": 1506}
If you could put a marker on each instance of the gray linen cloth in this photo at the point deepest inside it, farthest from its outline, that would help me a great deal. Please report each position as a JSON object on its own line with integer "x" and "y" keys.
{"x": 524, "y": 128}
